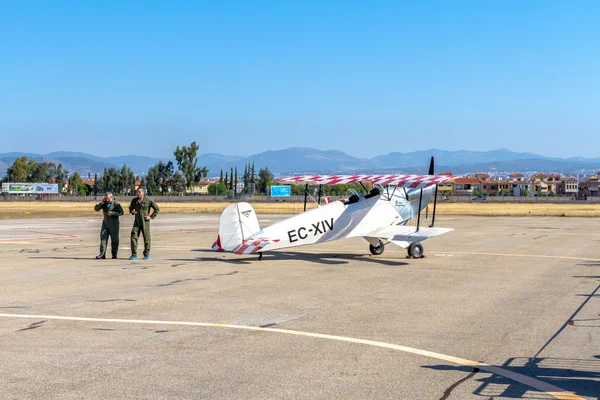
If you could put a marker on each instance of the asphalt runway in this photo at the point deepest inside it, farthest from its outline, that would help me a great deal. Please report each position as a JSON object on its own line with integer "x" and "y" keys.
{"x": 500, "y": 308}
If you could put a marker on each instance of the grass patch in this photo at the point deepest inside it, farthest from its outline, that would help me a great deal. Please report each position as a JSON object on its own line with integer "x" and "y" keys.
{"x": 58, "y": 209}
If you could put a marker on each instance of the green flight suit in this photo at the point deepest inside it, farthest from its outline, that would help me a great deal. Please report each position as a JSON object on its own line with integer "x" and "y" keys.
{"x": 140, "y": 225}
{"x": 110, "y": 226}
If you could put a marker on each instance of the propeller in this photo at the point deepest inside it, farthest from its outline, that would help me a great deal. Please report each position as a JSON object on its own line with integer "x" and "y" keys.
{"x": 431, "y": 169}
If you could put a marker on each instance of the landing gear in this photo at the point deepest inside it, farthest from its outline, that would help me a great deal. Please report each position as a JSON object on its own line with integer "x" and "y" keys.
{"x": 415, "y": 250}
{"x": 259, "y": 255}
{"x": 377, "y": 250}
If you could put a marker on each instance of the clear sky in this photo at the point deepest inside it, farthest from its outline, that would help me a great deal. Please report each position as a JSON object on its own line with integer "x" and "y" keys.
{"x": 241, "y": 77}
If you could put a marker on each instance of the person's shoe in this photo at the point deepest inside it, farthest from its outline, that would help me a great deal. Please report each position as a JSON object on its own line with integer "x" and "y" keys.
{"x": 133, "y": 257}
{"x": 146, "y": 256}
{"x": 100, "y": 257}
{"x": 114, "y": 257}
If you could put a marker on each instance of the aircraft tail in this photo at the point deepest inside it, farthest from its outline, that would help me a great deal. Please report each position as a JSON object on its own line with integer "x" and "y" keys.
{"x": 238, "y": 223}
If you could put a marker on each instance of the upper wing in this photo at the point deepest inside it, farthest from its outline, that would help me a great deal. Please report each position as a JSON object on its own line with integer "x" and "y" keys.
{"x": 407, "y": 181}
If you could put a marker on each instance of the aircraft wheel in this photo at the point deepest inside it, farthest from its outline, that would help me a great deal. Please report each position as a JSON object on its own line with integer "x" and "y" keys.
{"x": 415, "y": 250}
{"x": 377, "y": 250}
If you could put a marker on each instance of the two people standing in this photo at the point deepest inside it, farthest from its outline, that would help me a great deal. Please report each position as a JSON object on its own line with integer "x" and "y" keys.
{"x": 140, "y": 208}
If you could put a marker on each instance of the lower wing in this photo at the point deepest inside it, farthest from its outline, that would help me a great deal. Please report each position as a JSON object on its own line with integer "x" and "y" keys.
{"x": 403, "y": 236}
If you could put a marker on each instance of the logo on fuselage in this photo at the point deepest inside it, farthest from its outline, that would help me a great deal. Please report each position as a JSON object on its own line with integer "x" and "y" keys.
{"x": 313, "y": 230}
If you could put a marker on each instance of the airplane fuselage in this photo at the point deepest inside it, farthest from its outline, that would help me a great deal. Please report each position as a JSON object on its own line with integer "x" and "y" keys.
{"x": 339, "y": 220}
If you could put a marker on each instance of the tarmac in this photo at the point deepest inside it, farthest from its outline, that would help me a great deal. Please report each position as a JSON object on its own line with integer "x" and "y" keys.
{"x": 500, "y": 308}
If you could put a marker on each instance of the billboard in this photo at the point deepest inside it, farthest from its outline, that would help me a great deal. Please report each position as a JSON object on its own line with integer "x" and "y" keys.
{"x": 281, "y": 191}
{"x": 30, "y": 188}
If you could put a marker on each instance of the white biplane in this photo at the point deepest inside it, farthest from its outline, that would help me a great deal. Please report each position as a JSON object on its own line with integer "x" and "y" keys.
{"x": 380, "y": 217}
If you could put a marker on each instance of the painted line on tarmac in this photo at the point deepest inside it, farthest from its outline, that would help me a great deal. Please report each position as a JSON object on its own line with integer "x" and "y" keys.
{"x": 519, "y": 255}
{"x": 547, "y": 388}
{"x": 57, "y": 235}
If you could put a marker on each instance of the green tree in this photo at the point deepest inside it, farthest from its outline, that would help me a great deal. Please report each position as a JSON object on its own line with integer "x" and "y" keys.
{"x": 235, "y": 182}
{"x": 43, "y": 172}
{"x": 178, "y": 184}
{"x": 265, "y": 177}
{"x": 96, "y": 185}
{"x": 221, "y": 176}
{"x": 217, "y": 189}
{"x": 76, "y": 184}
{"x": 61, "y": 175}
{"x": 19, "y": 170}
{"x": 153, "y": 181}
{"x": 187, "y": 162}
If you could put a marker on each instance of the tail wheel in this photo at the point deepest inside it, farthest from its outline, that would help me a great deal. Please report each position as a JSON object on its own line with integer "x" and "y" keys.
{"x": 377, "y": 250}
{"x": 415, "y": 250}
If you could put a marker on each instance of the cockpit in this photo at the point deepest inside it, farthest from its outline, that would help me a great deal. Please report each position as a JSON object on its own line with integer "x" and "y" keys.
{"x": 376, "y": 191}
{"x": 355, "y": 197}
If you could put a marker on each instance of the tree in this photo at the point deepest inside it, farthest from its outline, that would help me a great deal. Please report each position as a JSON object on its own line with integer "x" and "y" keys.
{"x": 231, "y": 179}
{"x": 165, "y": 174}
{"x": 96, "y": 185}
{"x": 43, "y": 172}
{"x": 153, "y": 180}
{"x": 265, "y": 177}
{"x": 76, "y": 186}
{"x": 187, "y": 163}
{"x": 178, "y": 184}
{"x": 226, "y": 182}
{"x": 217, "y": 189}
{"x": 221, "y": 176}
{"x": 235, "y": 182}
{"x": 61, "y": 175}
{"x": 19, "y": 170}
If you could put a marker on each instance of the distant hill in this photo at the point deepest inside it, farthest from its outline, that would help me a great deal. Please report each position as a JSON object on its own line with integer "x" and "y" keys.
{"x": 460, "y": 157}
{"x": 308, "y": 160}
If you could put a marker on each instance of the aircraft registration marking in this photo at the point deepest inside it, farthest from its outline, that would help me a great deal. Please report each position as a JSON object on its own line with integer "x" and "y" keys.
{"x": 315, "y": 229}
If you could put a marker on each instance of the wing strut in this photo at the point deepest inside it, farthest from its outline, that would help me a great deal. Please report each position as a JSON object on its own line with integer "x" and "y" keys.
{"x": 319, "y": 201}
{"x": 419, "y": 217}
{"x": 434, "y": 206}
{"x": 305, "y": 196}
{"x": 431, "y": 172}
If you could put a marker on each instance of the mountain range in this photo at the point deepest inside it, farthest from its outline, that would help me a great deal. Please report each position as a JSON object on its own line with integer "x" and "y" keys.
{"x": 308, "y": 160}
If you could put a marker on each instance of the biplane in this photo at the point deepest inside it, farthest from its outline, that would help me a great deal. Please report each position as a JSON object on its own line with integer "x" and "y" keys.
{"x": 380, "y": 217}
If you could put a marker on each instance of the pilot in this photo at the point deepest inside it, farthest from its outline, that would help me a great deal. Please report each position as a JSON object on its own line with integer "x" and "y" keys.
{"x": 140, "y": 208}
{"x": 112, "y": 210}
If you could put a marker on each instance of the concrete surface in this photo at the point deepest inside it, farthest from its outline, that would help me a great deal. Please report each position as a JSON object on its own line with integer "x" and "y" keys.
{"x": 517, "y": 293}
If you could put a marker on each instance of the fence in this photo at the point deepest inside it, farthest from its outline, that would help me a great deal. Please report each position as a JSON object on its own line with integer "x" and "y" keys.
{"x": 292, "y": 199}
{"x": 182, "y": 199}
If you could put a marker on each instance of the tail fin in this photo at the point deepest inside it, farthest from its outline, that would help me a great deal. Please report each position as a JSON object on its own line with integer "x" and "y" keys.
{"x": 238, "y": 223}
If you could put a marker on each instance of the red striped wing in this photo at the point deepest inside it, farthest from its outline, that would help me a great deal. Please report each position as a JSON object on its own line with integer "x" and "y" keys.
{"x": 407, "y": 181}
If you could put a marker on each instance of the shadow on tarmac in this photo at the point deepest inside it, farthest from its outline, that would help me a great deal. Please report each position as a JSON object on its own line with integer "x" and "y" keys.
{"x": 328, "y": 259}
{"x": 581, "y": 377}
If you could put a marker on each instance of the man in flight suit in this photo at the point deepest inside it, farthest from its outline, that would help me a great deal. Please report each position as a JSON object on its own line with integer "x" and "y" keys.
{"x": 140, "y": 208}
{"x": 112, "y": 210}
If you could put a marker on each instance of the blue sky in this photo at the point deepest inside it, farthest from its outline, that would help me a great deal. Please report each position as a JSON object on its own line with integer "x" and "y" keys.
{"x": 364, "y": 77}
